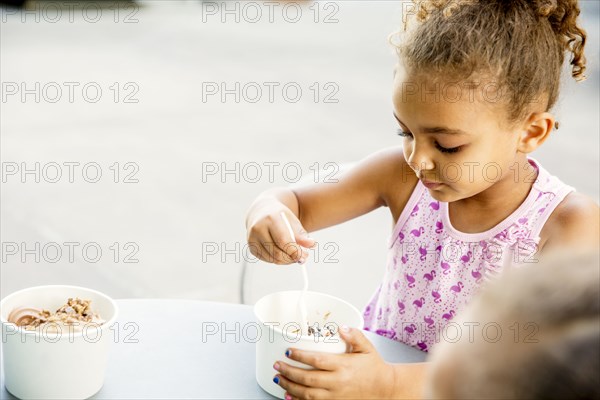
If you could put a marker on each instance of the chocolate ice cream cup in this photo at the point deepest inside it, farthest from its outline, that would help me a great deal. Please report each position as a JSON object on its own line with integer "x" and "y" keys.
{"x": 54, "y": 361}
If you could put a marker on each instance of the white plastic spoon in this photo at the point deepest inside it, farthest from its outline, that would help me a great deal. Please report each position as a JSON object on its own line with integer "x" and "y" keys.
{"x": 301, "y": 301}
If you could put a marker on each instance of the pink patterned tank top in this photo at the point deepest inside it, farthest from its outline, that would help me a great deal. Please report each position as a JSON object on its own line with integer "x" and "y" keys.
{"x": 433, "y": 270}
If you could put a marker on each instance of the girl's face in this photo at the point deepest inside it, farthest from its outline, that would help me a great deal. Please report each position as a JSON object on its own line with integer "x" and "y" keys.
{"x": 453, "y": 136}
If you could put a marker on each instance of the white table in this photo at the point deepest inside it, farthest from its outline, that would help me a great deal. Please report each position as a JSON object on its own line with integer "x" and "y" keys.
{"x": 160, "y": 352}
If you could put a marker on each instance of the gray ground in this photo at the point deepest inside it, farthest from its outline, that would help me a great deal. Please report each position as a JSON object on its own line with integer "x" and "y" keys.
{"x": 174, "y": 217}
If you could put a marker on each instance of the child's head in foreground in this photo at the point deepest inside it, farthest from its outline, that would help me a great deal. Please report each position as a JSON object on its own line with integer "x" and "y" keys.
{"x": 549, "y": 343}
{"x": 490, "y": 69}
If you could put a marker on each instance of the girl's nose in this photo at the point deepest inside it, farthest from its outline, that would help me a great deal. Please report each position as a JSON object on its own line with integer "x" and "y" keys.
{"x": 419, "y": 160}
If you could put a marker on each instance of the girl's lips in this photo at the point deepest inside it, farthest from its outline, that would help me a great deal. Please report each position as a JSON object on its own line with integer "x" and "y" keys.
{"x": 431, "y": 185}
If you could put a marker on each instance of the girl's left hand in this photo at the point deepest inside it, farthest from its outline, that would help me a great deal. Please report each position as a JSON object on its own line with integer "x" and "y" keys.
{"x": 359, "y": 373}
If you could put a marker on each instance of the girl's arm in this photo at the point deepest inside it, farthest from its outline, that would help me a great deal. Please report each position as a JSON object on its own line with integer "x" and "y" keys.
{"x": 376, "y": 181}
{"x": 409, "y": 381}
{"x": 368, "y": 185}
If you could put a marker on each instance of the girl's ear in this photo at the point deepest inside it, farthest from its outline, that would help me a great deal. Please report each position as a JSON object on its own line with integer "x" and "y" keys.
{"x": 535, "y": 131}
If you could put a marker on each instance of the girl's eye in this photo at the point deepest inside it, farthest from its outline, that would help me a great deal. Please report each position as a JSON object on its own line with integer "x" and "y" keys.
{"x": 403, "y": 133}
{"x": 447, "y": 149}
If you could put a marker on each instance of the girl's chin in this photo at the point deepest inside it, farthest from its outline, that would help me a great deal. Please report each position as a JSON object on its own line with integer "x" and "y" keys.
{"x": 445, "y": 194}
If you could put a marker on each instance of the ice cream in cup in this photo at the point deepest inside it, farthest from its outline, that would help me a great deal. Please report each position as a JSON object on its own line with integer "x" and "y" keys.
{"x": 55, "y": 341}
{"x": 281, "y": 328}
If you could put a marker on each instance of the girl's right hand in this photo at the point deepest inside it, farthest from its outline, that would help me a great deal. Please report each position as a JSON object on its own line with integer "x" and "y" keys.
{"x": 269, "y": 238}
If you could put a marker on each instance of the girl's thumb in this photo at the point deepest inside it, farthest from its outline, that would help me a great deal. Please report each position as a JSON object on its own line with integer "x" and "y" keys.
{"x": 302, "y": 237}
{"x": 305, "y": 241}
{"x": 356, "y": 341}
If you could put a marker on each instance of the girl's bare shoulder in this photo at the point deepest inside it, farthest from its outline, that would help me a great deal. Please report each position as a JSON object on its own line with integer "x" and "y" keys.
{"x": 396, "y": 180}
{"x": 575, "y": 223}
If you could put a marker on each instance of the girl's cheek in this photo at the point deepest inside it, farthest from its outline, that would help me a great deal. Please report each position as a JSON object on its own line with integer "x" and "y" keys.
{"x": 406, "y": 149}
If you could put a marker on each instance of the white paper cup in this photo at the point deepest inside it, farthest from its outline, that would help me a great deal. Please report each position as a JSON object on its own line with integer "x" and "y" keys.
{"x": 42, "y": 364}
{"x": 278, "y": 317}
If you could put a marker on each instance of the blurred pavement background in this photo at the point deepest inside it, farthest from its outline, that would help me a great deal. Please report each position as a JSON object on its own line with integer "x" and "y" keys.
{"x": 142, "y": 75}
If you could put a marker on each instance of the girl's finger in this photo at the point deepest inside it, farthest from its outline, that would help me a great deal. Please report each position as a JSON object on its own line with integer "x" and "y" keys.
{"x": 259, "y": 246}
{"x": 308, "y": 378}
{"x": 276, "y": 256}
{"x": 268, "y": 254}
{"x": 265, "y": 251}
{"x": 281, "y": 239}
{"x": 299, "y": 391}
{"x": 257, "y": 250}
{"x": 302, "y": 237}
{"x": 319, "y": 360}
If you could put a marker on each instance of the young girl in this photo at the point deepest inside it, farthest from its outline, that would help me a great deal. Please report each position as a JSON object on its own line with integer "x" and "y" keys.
{"x": 472, "y": 94}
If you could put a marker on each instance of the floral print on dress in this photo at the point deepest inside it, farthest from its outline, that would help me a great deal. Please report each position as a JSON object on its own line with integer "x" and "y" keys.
{"x": 433, "y": 270}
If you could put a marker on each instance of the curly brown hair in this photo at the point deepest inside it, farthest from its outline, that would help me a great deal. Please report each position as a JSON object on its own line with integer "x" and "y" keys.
{"x": 520, "y": 44}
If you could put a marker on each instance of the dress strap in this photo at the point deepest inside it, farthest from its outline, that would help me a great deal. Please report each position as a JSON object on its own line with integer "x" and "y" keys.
{"x": 412, "y": 202}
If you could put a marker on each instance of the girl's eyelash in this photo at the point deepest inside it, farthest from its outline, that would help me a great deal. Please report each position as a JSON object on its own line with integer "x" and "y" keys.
{"x": 446, "y": 149}
{"x": 403, "y": 133}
